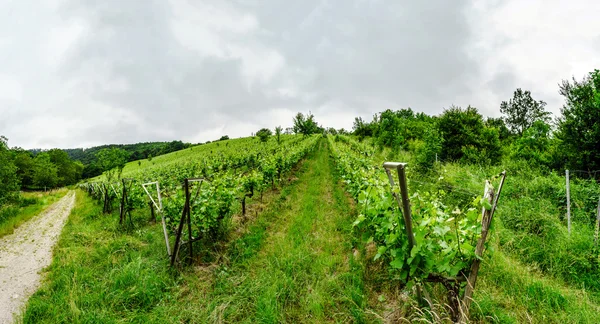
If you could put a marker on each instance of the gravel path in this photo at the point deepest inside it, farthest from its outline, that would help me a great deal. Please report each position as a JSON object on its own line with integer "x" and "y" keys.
{"x": 26, "y": 252}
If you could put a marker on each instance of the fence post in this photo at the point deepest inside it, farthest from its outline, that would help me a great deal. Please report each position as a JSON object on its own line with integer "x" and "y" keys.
{"x": 568, "y": 203}
{"x": 122, "y": 209}
{"x": 405, "y": 204}
{"x": 597, "y": 223}
{"x": 189, "y": 217}
{"x": 486, "y": 222}
{"x": 184, "y": 214}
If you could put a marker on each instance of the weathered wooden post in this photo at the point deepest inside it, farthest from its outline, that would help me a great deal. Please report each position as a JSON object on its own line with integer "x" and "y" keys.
{"x": 405, "y": 203}
{"x": 568, "y": 204}
{"x": 486, "y": 222}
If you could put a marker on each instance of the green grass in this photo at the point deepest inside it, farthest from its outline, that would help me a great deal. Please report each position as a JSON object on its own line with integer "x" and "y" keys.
{"x": 29, "y": 205}
{"x": 292, "y": 262}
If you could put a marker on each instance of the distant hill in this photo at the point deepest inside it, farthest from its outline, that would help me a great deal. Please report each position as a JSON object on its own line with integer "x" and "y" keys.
{"x": 137, "y": 151}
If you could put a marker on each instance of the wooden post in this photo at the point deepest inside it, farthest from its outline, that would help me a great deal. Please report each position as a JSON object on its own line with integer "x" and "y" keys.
{"x": 486, "y": 222}
{"x": 122, "y": 209}
{"x": 159, "y": 208}
{"x": 189, "y": 218}
{"x": 597, "y": 223}
{"x": 568, "y": 203}
{"x": 181, "y": 222}
{"x": 152, "y": 216}
{"x": 488, "y": 195}
{"x": 405, "y": 204}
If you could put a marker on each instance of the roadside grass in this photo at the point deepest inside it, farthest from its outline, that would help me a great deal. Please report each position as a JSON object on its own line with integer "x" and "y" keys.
{"x": 29, "y": 205}
{"x": 291, "y": 262}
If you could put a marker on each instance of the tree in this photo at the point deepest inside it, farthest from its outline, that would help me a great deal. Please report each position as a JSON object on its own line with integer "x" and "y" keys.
{"x": 579, "y": 125}
{"x": 224, "y": 137}
{"x": 500, "y": 125}
{"x": 46, "y": 172}
{"x": 278, "y": 131}
{"x": 25, "y": 166}
{"x": 9, "y": 183}
{"x": 522, "y": 111}
{"x": 111, "y": 162}
{"x": 306, "y": 125}
{"x": 361, "y": 128}
{"x": 264, "y": 134}
{"x": 67, "y": 171}
{"x": 534, "y": 145}
{"x": 465, "y": 137}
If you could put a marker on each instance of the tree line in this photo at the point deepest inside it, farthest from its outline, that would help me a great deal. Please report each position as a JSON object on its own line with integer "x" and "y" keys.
{"x": 525, "y": 132}
{"x": 138, "y": 151}
{"x": 23, "y": 169}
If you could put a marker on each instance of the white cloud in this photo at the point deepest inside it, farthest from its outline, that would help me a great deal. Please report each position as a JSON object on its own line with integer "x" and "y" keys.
{"x": 85, "y": 73}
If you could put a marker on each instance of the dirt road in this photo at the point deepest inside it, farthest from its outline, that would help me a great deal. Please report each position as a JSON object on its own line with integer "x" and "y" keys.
{"x": 27, "y": 251}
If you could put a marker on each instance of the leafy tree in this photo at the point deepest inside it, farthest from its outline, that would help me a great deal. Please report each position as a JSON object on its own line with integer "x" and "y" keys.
{"x": 361, "y": 128}
{"x": 224, "y": 137}
{"x": 466, "y": 138}
{"x": 427, "y": 152}
{"x": 67, "y": 170}
{"x": 112, "y": 161}
{"x": 278, "y": 131}
{"x": 306, "y": 125}
{"x": 264, "y": 134}
{"x": 579, "y": 125}
{"x": 25, "y": 166}
{"x": 500, "y": 125}
{"x": 9, "y": 183}
{"x": 46, "y": 172}
{"x": 522, "y": 111}
{"x": 534, "y": 145}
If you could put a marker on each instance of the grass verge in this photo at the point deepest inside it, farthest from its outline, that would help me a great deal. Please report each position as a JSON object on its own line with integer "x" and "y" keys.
{"x": 30, "y": 204}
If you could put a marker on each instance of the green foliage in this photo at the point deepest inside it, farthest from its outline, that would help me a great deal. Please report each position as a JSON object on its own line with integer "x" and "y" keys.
{"x": 306, "y": 125}
{"x": 68, "y": 171}
{"x": 361, "y": 128}
{"x": 224, "y": 138}
{"x": 112, "y": 161}
{"x": 278, "y": 131}
{"x": 264, "y": 134}
{"x": 9, "y": 183}
{"x": 428, "y": 149}
{"x": 46, "y": 172}
{"x": 522, "y": 111}
{"x": 396, "y": 128}
{"x": 232, "y": 171}
{"x": 466, "y": 138}
{"x": 500, "y": 125}
{"x": 579, "y": 125}
{"x": 534, "y": 145}
{"x": 445, "y": 236}
{"x": 25, "y": 166}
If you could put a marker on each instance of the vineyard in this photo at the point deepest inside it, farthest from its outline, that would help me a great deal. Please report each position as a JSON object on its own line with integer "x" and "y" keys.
{"x": 226, "y": 175}
{"x": 315, "y": 229}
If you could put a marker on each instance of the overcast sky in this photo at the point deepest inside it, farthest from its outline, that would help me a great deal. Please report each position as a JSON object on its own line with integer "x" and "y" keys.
{"x": 78, "y": 73}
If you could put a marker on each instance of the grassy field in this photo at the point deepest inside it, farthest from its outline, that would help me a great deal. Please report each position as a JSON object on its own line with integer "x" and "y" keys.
{"x": 29, "y": 205}
{"x": 294, "y": 260}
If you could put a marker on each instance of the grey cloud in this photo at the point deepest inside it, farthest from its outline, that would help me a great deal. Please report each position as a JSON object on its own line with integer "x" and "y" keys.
{"x": 410, "y": 54}
{"x": 150, "y": 70}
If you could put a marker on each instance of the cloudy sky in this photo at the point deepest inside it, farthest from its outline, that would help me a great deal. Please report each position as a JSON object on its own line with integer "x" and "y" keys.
{"x": 77, "y": 73}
